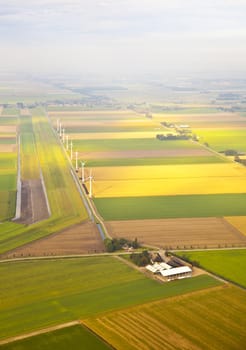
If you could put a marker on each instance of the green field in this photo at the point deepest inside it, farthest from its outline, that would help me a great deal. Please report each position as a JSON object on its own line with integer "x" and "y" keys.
{"x": 8, "y": 140}
{"x": 8, "y": 121}
{"x": 229, "y": 264}
{"x": 223, "y": 139}
{"x": 130, "y": 145}
{"x": 155, "y": 161}
{"x": 74, "y": 338}
{"x": 10, "y": 111}
{"x": 38, "y": 294}
{"x": 131, "y": 208}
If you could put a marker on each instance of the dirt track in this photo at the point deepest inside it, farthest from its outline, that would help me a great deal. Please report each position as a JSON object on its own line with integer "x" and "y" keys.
{"x": 179, "y": 233}
{"x": 33, "y": 203}
{"x": 83, "y": 238}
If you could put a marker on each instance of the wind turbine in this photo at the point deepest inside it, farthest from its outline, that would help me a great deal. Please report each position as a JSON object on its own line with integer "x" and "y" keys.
{"x": 90, "y": 188}
{"x": 76, "y": 161}
{"x": 60, "y": 129}
{"x": 71, "y": 150}
{"x": 83, "y": 171}
{"x": 63, "y": 135}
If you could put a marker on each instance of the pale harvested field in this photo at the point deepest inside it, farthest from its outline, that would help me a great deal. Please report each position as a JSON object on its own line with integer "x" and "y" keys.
{"x": 8, "y": 128}
{"x": 179, "y": 233}
{"x": 83, "y": 238}
{"x": 116, "y": 135}
{"x": 239, "y": 222}
{"x": 96, "y": 114}
{"x": 6, "y": 148}
{"x": 111, "y": 123}
{"x": 159, "y": 180}
{"x": 146, "y": 153}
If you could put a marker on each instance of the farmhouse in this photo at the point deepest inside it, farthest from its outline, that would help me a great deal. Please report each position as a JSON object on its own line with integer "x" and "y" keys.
{"x": 177, "y": 273}
{"x": 168, "y": 272}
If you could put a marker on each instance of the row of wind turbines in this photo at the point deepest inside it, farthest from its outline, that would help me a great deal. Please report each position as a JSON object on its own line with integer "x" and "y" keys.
{"x": 61, "y": 132}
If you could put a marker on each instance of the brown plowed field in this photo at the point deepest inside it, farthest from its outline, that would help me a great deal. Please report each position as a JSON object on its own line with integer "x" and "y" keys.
{"x": 179, "y": 233}
{"x": 148, "y": 153}
{"x": 33, "y": 203}
{"x": 8, "y": 128}
{"x": 83, "y": 238}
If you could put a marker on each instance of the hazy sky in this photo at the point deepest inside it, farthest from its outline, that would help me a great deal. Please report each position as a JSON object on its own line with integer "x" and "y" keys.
{"x": 123, "y": 37}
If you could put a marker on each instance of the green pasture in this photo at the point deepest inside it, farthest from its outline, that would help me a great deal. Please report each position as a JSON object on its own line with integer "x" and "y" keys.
{"x": 74, "y": 338}
{"x": 7, "y": 181}
{"x": 8, "y": 121}
{"x": 29, "y": 159}
{"x": 38, "y": 294}
{"x": 8, "y": 160}
{"x": 181, "y": 206}
{"x": 8, "y": 140}
{"x": 155, "y": 161}
{"x": 229, "y": 264}
{"x": 131, "y": 144}
{"x": 223, "y": 139}
{"x": 10, "y": 111}
{"x": 7, "y": 206}
{"x": 184, "y": 110}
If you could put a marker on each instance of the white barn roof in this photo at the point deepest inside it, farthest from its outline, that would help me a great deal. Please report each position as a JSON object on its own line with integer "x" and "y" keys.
{"x": 176, "y": 271}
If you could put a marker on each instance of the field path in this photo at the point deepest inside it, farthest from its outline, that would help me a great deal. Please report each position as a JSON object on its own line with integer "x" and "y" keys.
{"x": 41, "y": 331}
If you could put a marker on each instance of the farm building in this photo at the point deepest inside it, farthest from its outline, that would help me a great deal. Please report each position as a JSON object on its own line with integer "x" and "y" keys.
{"x": 176, "y": 273}
{"x": 170, "y": 273}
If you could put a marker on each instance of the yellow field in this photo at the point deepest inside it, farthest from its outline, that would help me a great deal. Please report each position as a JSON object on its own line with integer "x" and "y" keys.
{"x": 116, "y": 135}
{"x": 238, "y": 221}
{"x": 193, "y": 322}
{"x": 168, "y": 180}
{"x": 113, "y": 123}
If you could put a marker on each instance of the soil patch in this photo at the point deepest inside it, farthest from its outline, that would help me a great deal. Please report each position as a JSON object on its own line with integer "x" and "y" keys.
{"x": 83, "y": 238}
{"x": 8, "y": 128}
{"x": 179, "y": 233}
{"x": 33, "y": 203}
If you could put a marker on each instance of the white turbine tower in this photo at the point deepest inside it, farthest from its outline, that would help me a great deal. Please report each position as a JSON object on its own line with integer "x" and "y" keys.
{"x": 76, "y": 161}
{"x": 83, "y": 172}
{"x": 63, "y": 135}
{"x": 90, "y": 188}
{"x": 71, "y": 150}
{"x": 60, "y": 131}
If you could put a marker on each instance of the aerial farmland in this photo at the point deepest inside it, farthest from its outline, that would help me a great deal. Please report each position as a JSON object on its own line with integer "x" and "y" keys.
{"x": 74, "y": 176}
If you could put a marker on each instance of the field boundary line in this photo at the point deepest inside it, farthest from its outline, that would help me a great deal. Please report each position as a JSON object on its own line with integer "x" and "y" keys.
{"x": 41, "y": 331}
